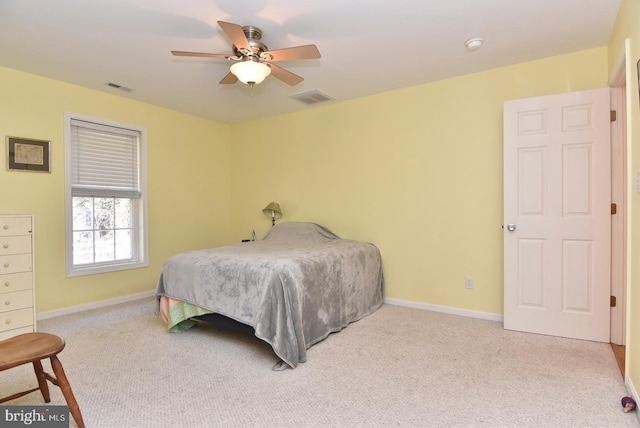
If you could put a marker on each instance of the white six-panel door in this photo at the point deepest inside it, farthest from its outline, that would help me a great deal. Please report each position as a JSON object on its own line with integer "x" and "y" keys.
{"x": 557, "y": 215}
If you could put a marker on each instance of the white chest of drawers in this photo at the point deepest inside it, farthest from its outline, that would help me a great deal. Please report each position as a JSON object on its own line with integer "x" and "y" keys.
{"x": 17, "y": 297}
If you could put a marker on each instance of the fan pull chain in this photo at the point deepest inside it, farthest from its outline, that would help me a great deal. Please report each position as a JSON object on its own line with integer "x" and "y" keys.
{"x": 253, "y": 100}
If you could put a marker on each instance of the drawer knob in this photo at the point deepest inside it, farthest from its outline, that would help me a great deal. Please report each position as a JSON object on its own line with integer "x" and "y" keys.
{"x": 7, "y": 321}
{"x": 7, "y": 302}
{"x": 6, "y": 226}
{"x": 6, "y": 245}
{"x": 6, "y": 265}
{"x": 6, "y": 284}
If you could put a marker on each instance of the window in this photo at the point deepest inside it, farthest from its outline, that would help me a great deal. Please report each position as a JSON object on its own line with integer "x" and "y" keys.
{"x": 105, "y": 195}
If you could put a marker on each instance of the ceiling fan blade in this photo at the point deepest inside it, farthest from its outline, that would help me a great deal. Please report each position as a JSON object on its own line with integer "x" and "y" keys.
{"x": 284, "y": 75}
{"x": 297, "y": 52}
{"x": 229, "y": 79}
{"x": 235, "y": 34}
{"x": 200, "y": 54}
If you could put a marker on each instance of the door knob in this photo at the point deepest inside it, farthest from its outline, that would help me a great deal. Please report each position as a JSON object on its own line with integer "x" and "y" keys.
{"x": 511, "y": 227}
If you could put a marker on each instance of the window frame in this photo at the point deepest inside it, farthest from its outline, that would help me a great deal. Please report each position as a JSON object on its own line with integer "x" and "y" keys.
{"x": 140, "y": 211}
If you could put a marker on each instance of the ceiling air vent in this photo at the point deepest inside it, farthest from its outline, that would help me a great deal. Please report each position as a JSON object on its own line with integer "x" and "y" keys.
{"x": 116, "y": 86}
{"x": 313, "y": 96}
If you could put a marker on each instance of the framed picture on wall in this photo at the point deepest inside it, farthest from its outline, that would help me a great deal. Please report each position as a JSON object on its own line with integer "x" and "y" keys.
{"x": 24, "y": 154}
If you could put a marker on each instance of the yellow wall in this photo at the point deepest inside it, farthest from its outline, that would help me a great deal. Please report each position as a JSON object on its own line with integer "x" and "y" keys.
{"x": 627, "y": 27}
{"x": 417, "y": 171}
{"x": 188, "y": 183}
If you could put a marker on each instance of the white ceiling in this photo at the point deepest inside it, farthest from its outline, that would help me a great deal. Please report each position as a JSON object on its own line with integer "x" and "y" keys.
{"x": 367, "y": 46}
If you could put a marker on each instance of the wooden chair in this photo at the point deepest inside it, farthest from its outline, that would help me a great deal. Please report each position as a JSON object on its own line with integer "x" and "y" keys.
{"x": 32, "y": 348}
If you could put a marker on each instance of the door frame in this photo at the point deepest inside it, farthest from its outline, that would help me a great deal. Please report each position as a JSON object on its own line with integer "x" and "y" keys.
{"x": 619, "y": 195}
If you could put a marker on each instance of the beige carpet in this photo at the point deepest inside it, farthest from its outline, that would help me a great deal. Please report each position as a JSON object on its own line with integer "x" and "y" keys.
{"x": 398, "y": 367}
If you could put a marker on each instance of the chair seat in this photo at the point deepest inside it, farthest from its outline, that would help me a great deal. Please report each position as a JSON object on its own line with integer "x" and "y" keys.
{"x": 32, "y": 348}
{"x": 28, "y": 347}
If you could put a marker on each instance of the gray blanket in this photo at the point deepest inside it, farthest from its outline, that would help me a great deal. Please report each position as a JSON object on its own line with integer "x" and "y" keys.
{"x": 295, "y": 287}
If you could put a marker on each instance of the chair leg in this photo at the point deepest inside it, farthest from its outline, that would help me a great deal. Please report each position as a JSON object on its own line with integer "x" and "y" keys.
{"x": 66, "y": 391}
{"x": 42, "y": 381}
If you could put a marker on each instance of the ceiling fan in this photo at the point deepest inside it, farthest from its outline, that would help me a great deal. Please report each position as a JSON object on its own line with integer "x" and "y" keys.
{"x": 254, "y": 60}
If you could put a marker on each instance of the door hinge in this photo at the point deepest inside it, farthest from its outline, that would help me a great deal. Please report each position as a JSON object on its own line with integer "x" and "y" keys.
{"x": 613, "y": 301}
{"x": 614, "y": 115}
{"x": 614, "y": 209}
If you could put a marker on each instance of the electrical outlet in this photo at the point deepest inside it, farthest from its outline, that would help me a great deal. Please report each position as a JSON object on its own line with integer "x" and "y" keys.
{"x": 468, "y": 283}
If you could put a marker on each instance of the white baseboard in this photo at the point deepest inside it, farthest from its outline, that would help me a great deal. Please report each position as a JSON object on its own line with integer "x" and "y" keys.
{"x": 94, "y": 305}
{"x": 445, "y": 309}
{"x": 148, "y": 294}
{"x": 632, "y": 391}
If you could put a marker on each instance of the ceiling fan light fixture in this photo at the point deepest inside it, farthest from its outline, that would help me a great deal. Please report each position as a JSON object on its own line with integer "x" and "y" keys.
{"x": 250, "y": 72}
{"x": 256, "y": 62}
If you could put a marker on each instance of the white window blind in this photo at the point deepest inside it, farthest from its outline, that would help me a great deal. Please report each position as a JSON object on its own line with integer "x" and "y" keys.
{"x": 104, "y": 161}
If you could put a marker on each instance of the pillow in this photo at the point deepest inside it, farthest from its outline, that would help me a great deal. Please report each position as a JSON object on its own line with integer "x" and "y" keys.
{"x": 299, "y": 232}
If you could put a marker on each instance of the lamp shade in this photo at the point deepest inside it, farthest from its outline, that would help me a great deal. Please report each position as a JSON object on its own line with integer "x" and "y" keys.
{"x": 250, "y": 72}
{"x": 272, "y": 210}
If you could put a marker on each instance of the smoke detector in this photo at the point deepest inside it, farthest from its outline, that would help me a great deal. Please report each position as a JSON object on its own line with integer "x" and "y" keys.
{"x": 474, "y": 44}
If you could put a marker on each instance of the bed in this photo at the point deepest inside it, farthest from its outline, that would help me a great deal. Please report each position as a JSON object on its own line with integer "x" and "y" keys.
{"x": 292, "y": 289}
